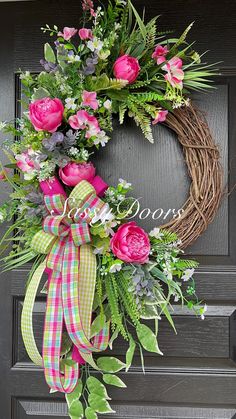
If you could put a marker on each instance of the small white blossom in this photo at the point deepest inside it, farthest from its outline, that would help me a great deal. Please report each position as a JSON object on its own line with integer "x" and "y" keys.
{"x": 107, "y": 104}
{"x": 124, "y": 184}
{"x": 156, "y": 233}
{"x": 84, "y": 154}
{"x": 25, "y": 75}
{"x": 103, "y": 54}
{"x": 73, "y": 58}
{"x": 74, "y": 152}
{"x": 115, "y": 268}
{"x": 204, "y": 309}
{"x": 188, "y": 273}
{"x": 98, "y": 250}
{"x": 95, "y": 45}
{"x": 104, "y": 215}
{"x": 1, "y": 216}
{"x": 70, "y": 103}
{"x": 101, "y": 138}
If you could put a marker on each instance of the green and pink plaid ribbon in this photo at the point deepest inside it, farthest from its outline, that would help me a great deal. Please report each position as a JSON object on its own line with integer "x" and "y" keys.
{"x": 71, "y": 265}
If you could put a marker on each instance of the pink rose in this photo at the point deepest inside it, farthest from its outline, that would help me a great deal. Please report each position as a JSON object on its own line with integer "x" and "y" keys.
{"x": 126, "y": 68}
{"x": 160, "y": 116}
{"x": 160, "y": 54}
{"x": 85, "y": 34}
{"x": 67, "y": 33}
{"x": 131, "y": 243}
{"x": 73, "y": 173}
{"x": 46, "y": 114}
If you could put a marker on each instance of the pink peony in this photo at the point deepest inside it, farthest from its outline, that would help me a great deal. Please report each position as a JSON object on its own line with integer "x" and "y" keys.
{"x": 175, "y": 74}
{"x": 67, "y": 33}
{"x": 90, "y": 99}
{"x": 83, "y": 120}
{"x": 160, "y": 54}
{"x": 131, "y": 243}
{"x": 126, "y": 68}
{"x": 85, "y": 34}
{"x": 160, "y": 116}
{"x": 73, "y": 173}
{"x": 46, "y": 114}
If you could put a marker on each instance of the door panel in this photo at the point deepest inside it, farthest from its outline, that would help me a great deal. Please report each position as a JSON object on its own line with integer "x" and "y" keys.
{"x": 196, "y": 377}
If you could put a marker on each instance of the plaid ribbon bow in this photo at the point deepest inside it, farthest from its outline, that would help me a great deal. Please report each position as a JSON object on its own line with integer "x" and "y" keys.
{"x": 72, "y": 276}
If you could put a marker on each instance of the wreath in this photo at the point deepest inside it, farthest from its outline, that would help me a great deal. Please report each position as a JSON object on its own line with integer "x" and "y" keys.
{"x": 106, "y": 275}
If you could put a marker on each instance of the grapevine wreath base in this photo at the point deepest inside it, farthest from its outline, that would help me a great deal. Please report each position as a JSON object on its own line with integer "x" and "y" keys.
{"x": 203, "y": 162}
{"x": 106, "y": 276}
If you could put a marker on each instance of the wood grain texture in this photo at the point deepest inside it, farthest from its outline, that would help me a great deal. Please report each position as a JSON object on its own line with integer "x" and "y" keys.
{"x": 26, "y": 408}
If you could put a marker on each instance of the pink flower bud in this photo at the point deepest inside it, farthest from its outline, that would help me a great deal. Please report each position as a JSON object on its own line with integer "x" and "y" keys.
{"x": 126, "y": 68}
{"x": 73, "y": 173}
{"x": 131, "y": 243}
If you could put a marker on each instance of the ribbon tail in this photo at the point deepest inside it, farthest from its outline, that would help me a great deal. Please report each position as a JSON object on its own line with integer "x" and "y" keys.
{"x": 27, "y": 316}
{"x": 64, "y": 382}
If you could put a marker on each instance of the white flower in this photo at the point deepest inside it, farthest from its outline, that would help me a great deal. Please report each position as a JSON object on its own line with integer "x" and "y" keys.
{"x": 73, "y": 58}
{"x": 101, "y": 138}
{"x": 120, "y": 197}
{"x": 70, "y": 103}
{"x": 1, "y": 216}
{"x": 25, "y": 76}
{"x": 156, "y": 233}
{"x": 188, "y": 273}
{"x": 74, "y": 152}
{"x": 84, "y": 154}
{"x": 107, "y": 104}
{"x": 116, "y": 267}
{"x": 203, "y": 310}
{"x": 95, "y": 45}
{"x": 124, "y": 183}
{"x": 98, "y": 250}
{"x": 105, "y": 215}
{"x": 104, "y": 54}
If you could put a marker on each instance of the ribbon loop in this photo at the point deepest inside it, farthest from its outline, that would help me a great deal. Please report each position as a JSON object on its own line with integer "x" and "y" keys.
{"x": 65, "y": 238}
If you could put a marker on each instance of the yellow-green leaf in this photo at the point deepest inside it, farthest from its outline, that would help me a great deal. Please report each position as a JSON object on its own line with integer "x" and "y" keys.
{"x": 148, "y": 339}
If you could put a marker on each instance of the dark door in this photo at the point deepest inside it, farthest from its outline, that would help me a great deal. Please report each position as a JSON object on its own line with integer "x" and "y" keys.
{"x": 196, "y": 377}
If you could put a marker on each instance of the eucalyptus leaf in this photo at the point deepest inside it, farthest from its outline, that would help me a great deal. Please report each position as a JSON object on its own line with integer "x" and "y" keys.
{"x": 148, "y": 339}
{"x": 49, "y": 54}
{"x": 113, "y": 380}
{"x": 110, "y": 364}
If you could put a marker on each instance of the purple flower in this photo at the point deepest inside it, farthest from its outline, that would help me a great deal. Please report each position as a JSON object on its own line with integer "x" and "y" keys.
{"x": 90, "y": 65}
{"x": 49, "y": 67}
